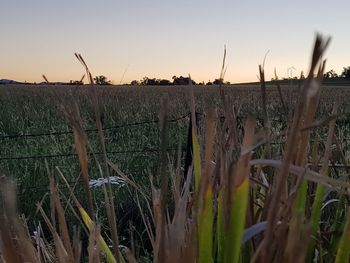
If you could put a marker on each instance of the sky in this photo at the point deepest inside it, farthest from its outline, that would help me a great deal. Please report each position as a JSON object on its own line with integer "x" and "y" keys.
{"x": 128, "y": 40}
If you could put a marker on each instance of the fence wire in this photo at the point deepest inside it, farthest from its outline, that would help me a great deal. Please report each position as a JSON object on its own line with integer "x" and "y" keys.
{"x": 58, "y": 133}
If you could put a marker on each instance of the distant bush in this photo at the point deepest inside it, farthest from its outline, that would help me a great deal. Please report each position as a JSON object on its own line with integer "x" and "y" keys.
{"x": 102, "y": 80}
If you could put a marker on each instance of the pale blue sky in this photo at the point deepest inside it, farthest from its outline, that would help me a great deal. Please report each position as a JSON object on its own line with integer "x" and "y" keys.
{"x": 165, "y": 38}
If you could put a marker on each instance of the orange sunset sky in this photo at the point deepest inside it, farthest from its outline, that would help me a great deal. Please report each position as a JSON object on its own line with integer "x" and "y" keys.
{"x": 127, "y": 40}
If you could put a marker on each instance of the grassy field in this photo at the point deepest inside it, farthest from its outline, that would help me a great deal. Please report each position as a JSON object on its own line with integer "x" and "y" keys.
{"x": 37, "y": 140}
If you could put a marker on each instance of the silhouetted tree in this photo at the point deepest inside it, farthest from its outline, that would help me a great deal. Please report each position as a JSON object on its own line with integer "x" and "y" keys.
{"x": 144, "y": 81}
{"x": 330, "y": 74}
{"x": 164, "y": 82}
{"x": 345, "y": 73}
{"x": 102, "y": 80}
{"x": 76, "y": 82}
{"x": 151, "y": 82}
{"x": 182, "y": 81}
{"x": 218, "y": 82}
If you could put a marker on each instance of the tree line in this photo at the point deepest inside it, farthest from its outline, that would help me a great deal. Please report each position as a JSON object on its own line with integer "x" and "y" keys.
{"x": 146, "y": 81}
{"x": 332, "y": 74}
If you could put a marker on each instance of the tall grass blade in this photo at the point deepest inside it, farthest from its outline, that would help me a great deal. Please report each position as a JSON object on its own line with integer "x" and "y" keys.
{"x": 195, "y": 142}
{"x": 72, "y": 112}
{"x": 108, "y": 194}
{"x": 60, "y": 250}
{"x": 205, "y": 215}
{"x": 343, "y": 253}
{"x": 162, "y": 195}
{"x": 320, "y": 190}
{"x": 103, "y": 245}
{"x": 205, "y": 227}
{"x": 196, "y": 160}
{"x": 315, "y": 217}
{"x": 307, "y": 118}
{"x": 338, "y": 185}
{"x": 77, "y": 244}
{"x": 61, "y": 219}
{"x": 237, "y": 222}
{"x": 338, "y": 225}
{"x": 253, "y": 231}
{"x": 15, "y": 242}
{"x": 295, "y": 151}
{"x": 339, "y": 220}
{"x": 220, "y": 225}
{"x": 239, "y": 194}
{"x": 88, "y": 223}
{"x": 94, "y": 248}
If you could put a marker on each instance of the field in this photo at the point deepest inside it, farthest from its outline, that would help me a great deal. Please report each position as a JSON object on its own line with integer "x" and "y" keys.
{"x": 37, "y": 125}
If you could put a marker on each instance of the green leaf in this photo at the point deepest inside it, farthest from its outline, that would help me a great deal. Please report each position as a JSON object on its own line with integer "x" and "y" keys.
{"x": 338, "y": 224}
{"x": 316, "y": 216}
{"x": 205, "y": 216}
{"x": 344, "y": 245}
{"x": 220, "y": 229}
{"x": 237, "y": 222}
{"x": 103, "y": 245}
{"x": 205, "y": 227}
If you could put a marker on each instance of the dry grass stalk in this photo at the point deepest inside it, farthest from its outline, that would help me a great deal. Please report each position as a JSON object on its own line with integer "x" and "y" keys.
{"x": 284, "y": 106}
{"x": 298, "y": 230}
{"x": 61, "y": 253}
{"x": 180, "y": 243}
{"x": 263, "y": 97}
{"x": 109, "y": 200}
{"x": 204, "y": 195}
{"x": 320, "y": 190}
{"x": 45, "y": 78}
{"x": 231, "y": 141}
{"x": 94, "y": 247}
{"x": 45, "y": 250}
{"x": 15, "y": 243}
{"x": 160, "y": 200}
{"x": 77, "y": 246}
{"x": 64, "y": 233}
{"x": 338, "y": 185}
{"x": 273, "y": 240}
{"x": 72, "y": 112}
{"x": 329, "y": 142}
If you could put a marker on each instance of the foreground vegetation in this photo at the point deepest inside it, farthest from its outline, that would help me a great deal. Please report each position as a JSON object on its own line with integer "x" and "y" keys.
{"x": 264, "y": 182}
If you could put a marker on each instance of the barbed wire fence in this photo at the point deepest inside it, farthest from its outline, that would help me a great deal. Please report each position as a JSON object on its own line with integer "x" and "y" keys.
{"x": 127, "y": 151}
{"x": 15, "y": 136}
{"x": 40, "y": 135}
{"x": 59, "y": 133}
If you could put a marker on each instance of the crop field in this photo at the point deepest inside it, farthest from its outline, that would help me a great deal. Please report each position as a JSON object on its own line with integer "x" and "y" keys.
{"x": 147, "y": 133}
